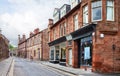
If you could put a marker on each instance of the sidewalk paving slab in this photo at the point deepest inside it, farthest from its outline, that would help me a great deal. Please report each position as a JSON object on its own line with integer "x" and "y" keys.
{"x": 5, "y": 66}
{"x": 75, "y": 71}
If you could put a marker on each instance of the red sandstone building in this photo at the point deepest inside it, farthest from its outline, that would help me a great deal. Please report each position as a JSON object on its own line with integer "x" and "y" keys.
{"x": 35, "y": 46}
{"x": 87, "y": 35}
{"x": 4, "y": 47}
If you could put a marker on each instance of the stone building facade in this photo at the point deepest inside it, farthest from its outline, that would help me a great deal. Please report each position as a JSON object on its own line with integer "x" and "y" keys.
{"x": 22, "y": 46}
{"x": 4, "y": 47}
{"x": 88, "y": 35}
{"x": 35, "y": 46}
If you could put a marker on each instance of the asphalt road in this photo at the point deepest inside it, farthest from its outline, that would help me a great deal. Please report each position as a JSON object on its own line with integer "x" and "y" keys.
{"x": 24, "y": 67}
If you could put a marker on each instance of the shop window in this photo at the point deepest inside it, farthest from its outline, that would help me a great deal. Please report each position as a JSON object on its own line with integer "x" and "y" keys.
{"x": 76, "y": 22}
{"x": 85, "y": 15}
{"x": 52, "y": 55}
{"x": 63, "y": 53}
{"x": 110, "y": 10}
{"x": 57, "y": 54}
{"x": 97, "y": 10}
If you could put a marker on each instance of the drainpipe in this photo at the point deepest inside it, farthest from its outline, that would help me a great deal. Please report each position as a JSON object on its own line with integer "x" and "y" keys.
{"x": 113, "y": 47}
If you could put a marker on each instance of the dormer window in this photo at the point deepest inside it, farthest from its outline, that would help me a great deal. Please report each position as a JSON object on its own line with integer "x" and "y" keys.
{"x": 97, "y": 10}
{"x": 62, "y": 12}
{"x": 74, "y": 3}
{"x": 56, "y": 15}
{"x": 64, "y": 9}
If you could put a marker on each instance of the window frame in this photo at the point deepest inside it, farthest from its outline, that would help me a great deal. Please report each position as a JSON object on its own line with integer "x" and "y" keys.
{"x": 113, "y": 10}
{"x": 85, "y": 12}
{"x": 95, "y": 8}
{"x": 74, "y": 21}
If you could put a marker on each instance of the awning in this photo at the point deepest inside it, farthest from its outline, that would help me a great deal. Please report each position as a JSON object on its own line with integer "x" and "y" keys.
{"x": 82, "y": 32}
{"x": 57, "y": 41}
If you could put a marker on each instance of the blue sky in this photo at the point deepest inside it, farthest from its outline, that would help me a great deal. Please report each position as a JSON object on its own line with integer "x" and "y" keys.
{"x": 23, "y": 16}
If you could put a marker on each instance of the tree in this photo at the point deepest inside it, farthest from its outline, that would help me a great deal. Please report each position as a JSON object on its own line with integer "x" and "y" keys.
{"x": 11, "y": 47}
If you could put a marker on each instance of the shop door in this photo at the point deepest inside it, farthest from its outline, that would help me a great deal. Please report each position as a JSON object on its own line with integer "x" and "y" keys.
{"x": 70, "y": 56}
{"x": 86, "y": 51}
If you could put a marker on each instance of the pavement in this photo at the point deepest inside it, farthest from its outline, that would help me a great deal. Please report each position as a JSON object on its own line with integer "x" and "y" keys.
{"x": 5, "y": 66}
{"x": 74, "y": 71}
{"x": 20, "y": 66}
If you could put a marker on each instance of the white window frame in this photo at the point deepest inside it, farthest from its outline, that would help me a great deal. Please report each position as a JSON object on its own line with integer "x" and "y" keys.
{"x": 85, "y": 15}
{"x": 75, "y": 20}
{"x": 112, "y": 9}
{"x": 96, "y": 7}
{"x": 63, "y": 11}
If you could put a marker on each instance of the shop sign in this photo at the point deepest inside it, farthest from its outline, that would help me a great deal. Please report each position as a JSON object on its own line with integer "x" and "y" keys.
{"x": 68, "y": 37}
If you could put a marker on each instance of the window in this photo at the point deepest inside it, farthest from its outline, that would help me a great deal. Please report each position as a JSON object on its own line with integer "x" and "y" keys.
{"x": 76, "y": 21}
{"x": 97, "y": 10}
{"x": 85, "y": 15}
{"x": 110, "y": 10}
{"x": 74, "y": 3}
{"x": 64, "y": 28}
{"x": 60, "y": 30}
{"x": 63, "y": 11}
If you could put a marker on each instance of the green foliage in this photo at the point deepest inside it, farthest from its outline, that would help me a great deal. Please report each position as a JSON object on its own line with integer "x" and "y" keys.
{"x": 11, "y": 47}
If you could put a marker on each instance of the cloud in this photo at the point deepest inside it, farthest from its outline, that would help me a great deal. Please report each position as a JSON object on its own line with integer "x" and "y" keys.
{"x": 26, "y": 15}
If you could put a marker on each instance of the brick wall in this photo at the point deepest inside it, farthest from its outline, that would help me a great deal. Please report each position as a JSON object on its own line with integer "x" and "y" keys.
{"x": 102, "y": 47}
{"x": 45, "y": 47}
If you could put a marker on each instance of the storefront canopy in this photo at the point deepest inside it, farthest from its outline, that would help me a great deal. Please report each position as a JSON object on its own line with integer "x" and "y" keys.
{"x": 84, "y": 31}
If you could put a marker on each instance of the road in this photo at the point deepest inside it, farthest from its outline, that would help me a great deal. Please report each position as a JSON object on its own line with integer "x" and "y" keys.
{"x": 24, "y": 67}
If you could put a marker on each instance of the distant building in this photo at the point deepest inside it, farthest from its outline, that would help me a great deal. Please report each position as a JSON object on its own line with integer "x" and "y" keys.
{"x": 4, "y": 47}
{"x": 35, "y": 46}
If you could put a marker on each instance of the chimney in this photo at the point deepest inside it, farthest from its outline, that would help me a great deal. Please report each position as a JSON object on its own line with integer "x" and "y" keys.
{"x": 50, "y": 22}
{"x": 24, "y": 37}
{"x": 18, "y": 38}
{"x": 31, "y": 34}
{"x": 36, "y": 31}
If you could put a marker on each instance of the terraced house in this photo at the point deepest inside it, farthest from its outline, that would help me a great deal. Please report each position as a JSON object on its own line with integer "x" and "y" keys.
{"x": 85, "y": 34}
{"x": 35, "y": 46}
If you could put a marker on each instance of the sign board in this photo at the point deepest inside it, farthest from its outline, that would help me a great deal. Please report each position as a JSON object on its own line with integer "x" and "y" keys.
{"x": 68, "y": 37}
{"x": 86, "y": 53}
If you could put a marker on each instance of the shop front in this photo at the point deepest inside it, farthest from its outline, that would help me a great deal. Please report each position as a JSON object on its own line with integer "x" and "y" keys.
{"x": 86, "y": 51}
{"x": 80, "y": 55}
{"x": 54, "y": 54}
{"x": 62, "y": 54}
{"x": 57, "y": 51}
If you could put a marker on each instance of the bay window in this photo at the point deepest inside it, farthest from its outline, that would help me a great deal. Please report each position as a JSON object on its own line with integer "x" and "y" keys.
{"x": 110, "y": 10}
{"x": 97, "y": 10}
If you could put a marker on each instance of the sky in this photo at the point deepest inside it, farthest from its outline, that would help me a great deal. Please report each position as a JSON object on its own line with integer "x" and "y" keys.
{"x": 18, "y": 17}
